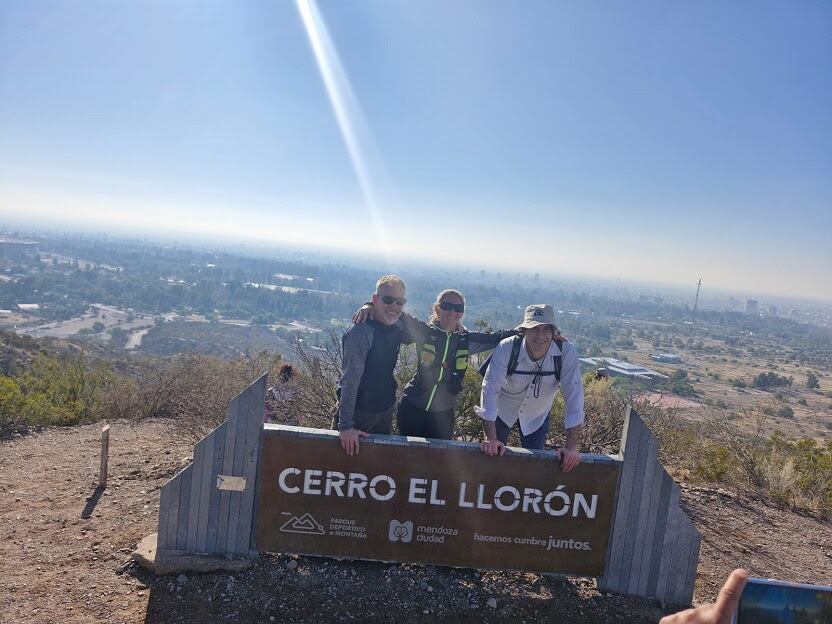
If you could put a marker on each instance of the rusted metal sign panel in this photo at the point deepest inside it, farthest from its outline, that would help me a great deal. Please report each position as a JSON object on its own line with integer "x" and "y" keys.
{"x": 447, "y": 506}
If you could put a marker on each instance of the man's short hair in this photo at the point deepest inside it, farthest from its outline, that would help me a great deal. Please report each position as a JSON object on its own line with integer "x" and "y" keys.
{"x": 390, "y": 280}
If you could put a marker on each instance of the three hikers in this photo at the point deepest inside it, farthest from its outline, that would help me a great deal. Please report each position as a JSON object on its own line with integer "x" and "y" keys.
{"x": 519, "y": 385}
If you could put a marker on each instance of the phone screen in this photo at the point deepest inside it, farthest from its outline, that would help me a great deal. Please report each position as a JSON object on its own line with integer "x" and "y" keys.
{"x": 773, "y": 602}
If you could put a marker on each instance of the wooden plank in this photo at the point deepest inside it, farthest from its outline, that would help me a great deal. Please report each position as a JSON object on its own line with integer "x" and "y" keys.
{"x": 659, "y": 534}
{"x": 600, "y": 580}
{"x": 678, "y": 570}
{"x": 105, "y": 456}
{"x": 184, "y": 507}
{"x": 196, "y": 488}
{"x": 693, "y": 564}
{"x": 237, "y": 471}
{"x": 254, "y": 428}
{"x": 635, "y": 505}
{"x": 612, "y": 576}
{"x": 680, "y": 590}
{"x": 670, "y": 533}
{"x": 207, "y": 485}
{"x": 639, "y": 570}
{"x": 174, "y": 486}
{"x": 227, "y": 467}
{"x": 214, "y": 503}
{"x": 163, "y": 531}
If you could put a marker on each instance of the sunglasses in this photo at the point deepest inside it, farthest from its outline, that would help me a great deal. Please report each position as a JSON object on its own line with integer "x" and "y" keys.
{"x": 456, "y": 307}
{"x": 388, "y": 299}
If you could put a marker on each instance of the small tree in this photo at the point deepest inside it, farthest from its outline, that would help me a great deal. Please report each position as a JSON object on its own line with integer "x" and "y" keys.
{"x": 812, "y": 381}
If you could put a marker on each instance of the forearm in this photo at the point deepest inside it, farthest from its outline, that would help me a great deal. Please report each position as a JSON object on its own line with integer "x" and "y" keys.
{"x": 483, "y": 341}
{"x": 346, "y": 410}
{"x": 573, "y": 437}
{"x": 489, "y": 428}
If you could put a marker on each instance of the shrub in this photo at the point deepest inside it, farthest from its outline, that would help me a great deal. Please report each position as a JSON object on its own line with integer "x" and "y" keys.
{"x": 678, "y": 384}
{"x": 764, "y": 381}
{"x": 784, "y": 411}
{"x": 57, "y": 391}
{"x": 812, "y": 381}
{"x": 796, "y": 472}
{"x": 714, "y": 463}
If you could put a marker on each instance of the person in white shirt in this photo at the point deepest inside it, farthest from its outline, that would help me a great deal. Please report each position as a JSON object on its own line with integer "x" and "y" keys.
{"x": 520, "y": 385}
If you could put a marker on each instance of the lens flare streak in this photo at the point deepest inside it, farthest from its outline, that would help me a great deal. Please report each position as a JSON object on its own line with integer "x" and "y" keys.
{"x": 347, "y": 112}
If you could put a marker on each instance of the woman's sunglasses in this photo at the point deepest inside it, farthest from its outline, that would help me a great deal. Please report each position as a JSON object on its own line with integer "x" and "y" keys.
{"x": 388, "y": 299}
{"x": 456, "y": 307}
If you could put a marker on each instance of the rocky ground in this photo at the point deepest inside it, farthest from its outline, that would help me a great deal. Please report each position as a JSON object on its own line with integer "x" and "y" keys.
{"x": 64, "y": 553}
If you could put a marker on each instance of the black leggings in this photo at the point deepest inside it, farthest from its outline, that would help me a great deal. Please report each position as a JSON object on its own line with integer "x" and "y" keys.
{"x": 414, "y": 421}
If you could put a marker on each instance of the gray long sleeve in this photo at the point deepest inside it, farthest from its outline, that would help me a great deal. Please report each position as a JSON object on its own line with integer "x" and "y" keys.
{"x": 357, "y": 343}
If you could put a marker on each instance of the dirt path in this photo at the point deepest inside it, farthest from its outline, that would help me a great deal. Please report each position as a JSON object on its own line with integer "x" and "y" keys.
{"x": 57, "y": 566}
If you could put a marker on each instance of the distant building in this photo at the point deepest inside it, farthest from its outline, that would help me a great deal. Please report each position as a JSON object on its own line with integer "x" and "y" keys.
{"x": 667, "y": 358}
{"x": 772, "y": 310}
{"x": 28, "y": 307}
{"x": 14, "y": 249}
{"x": 752, "y": 306}
{"x": 618, "y": 368}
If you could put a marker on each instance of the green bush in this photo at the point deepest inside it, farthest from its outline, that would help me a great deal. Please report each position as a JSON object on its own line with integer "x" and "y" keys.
{"x": 678, "y": 384}
{"x": 765, "y": 381}
{"x": 714, "y": 463}
{"x": 796, "y": 472}
{"x": 812, "y": 381}
{"x": 784, "y": 411}
{"x": 56, "y": 391}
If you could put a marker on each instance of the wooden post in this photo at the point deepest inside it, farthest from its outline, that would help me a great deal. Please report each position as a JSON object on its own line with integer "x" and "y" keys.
{"x": 105, "y": 451}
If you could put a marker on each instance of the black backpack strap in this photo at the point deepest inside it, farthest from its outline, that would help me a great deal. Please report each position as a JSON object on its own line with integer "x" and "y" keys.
{"x": 558, "y": 359}
{"x": 515, "y": 355}
{"x": 484, "y": 366}
{"x": 512, "y": 360}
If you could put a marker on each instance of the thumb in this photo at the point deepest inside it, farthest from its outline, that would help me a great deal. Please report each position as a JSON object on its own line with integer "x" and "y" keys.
{"x": 363, "y": 434}
{"x": 729, "y": 595}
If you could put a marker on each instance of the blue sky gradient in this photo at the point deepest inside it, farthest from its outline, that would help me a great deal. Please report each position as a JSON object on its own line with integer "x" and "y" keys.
{"x": 653, "y": 140}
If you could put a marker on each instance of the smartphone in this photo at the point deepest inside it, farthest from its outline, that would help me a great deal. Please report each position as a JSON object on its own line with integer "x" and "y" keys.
{"x": 765, "y": 601}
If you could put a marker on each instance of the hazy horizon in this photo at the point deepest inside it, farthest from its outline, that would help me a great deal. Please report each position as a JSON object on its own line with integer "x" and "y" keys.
{"x": 653, "y": 143}
{"x": 266, "y": 247}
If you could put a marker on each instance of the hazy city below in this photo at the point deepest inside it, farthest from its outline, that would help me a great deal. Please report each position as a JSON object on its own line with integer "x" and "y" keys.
{"x": 145, "y": 298}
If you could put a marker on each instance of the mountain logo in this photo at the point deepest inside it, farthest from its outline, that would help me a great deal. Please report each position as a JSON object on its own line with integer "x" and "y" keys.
{"x": 400, "y": 531}
{"x": 303, "y": 524}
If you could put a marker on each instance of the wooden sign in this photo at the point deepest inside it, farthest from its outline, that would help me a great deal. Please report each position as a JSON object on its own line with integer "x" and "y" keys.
{"x": 450, "y": 505}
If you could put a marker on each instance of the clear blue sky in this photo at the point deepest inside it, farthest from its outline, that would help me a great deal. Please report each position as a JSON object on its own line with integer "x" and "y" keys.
{"x": 651, "y": 140}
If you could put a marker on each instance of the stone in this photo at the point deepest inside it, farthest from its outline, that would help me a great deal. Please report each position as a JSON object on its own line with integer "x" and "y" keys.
{"x": 173, "y": 561}
{"x": 292, "y": 564}
{"x": 492, "y": 602}
{"x": 181, "y": 579}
